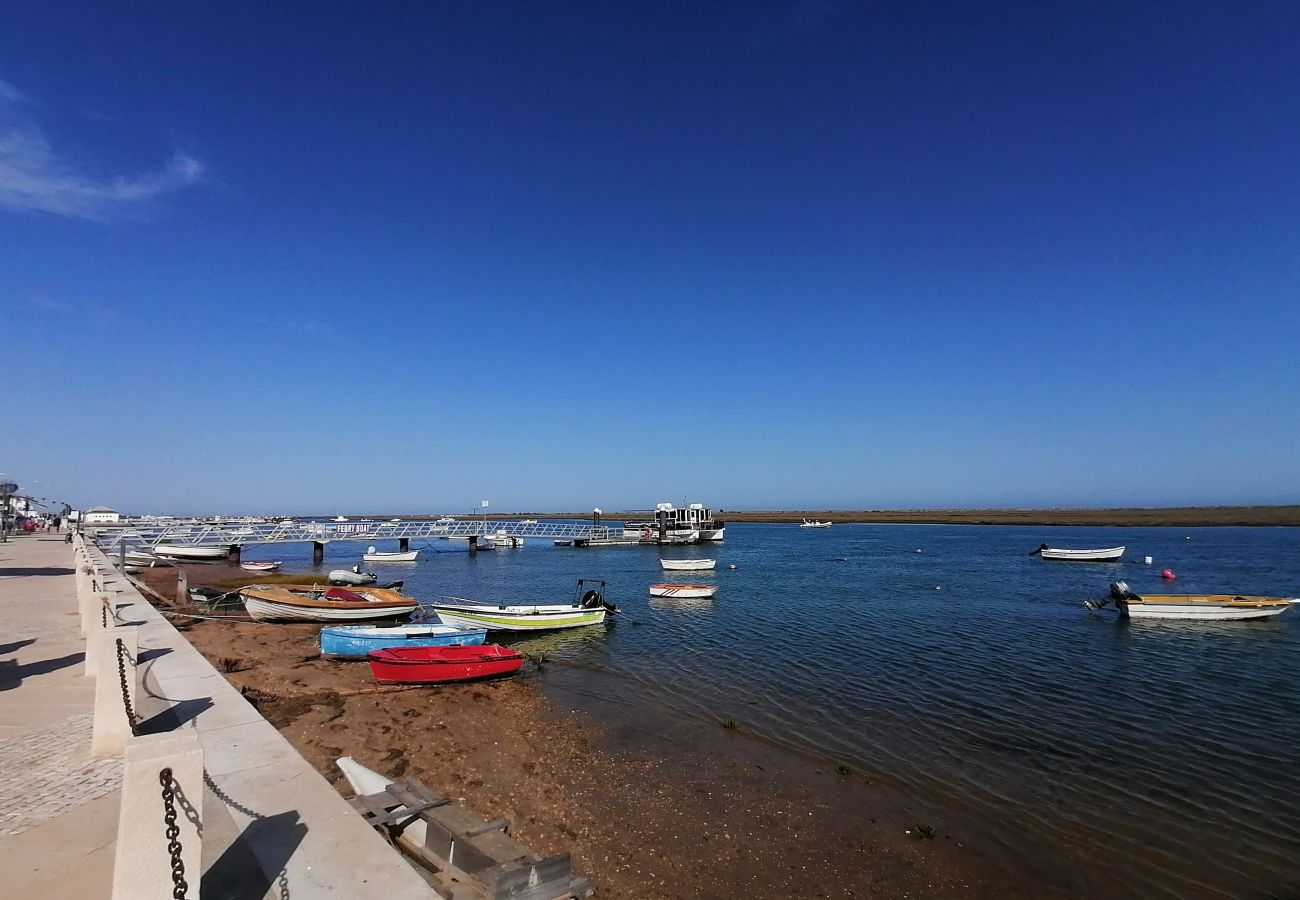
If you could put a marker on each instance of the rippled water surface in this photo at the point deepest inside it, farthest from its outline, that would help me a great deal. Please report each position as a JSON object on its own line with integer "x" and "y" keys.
{"x": 1167, "y": 754}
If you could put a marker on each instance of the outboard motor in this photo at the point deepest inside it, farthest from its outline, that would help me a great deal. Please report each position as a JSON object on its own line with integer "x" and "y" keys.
{"x": 1119, "y": 591}
{"x": 592, "y": 599}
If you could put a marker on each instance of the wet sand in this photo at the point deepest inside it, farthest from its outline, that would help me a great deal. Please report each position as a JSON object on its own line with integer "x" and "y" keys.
{"x": 649, "y": 808}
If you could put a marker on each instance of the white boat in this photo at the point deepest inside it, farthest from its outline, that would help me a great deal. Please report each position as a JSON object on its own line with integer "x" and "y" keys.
{"x": 502, "y": 538}
{"x": 1192, "y": 607}
{"x": 144, "y": 560}
{"x": 527, "y": 521}
{"x": 260, "y": 566}
{"x": 1108, "y": 554}
{"x": 684, "y": 591}
{"x": 310, "y": 603}
{"x": 340, "y": 518}
{"x": 814, "y": 523}
{"x": 588, "y": 608}
{"x": 692, "y": 523}
{"x": 190, "y": 551}
{"x": 373, "y": 555}
{"x": 687, "y": 565}
{"x": 368, "y": 781}
{"x": 351, "y": 576}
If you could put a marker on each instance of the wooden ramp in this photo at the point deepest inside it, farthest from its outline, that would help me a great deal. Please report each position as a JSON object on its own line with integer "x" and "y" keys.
{"x": 470, "y": 858}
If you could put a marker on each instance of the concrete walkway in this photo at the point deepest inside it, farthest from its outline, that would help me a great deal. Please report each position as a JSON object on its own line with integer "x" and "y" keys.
{"x": 58, "y": 807}
{"x": 272, "y": 826}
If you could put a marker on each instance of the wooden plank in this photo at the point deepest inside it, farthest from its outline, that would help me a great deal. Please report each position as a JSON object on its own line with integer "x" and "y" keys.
{"x": 494, "y": 825}
{"x": 545, "y": 879}
{"x": 407, "y": 812}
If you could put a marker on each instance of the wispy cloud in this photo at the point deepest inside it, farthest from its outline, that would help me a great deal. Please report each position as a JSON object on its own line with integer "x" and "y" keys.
{"x": 96, "y": 313}
{"x": 34, "y": 179}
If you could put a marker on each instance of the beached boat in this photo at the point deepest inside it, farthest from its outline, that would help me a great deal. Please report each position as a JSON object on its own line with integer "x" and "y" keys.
{"x": 313, "y": 603}
{"x": 588, "y": 608}
{"x": 351, "y": 576}
{"x": 687, "y": 565}
{"x": 144, "y": 560}
{"x": 1108, "y": 554}
{"x": 437, "y": 665}
{"x": 684, "y": 591}
{"x": 373, "y": 555}
{"x": 814, "y": 523}
{"x": 260, "y": 566}
{"x": 1192, "y": 607}
{"x": 357, "y": 641}
{"x": 196, "y": 552}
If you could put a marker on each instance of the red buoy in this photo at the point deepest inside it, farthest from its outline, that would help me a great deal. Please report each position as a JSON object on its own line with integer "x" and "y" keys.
{"x": 1168, "y": 574}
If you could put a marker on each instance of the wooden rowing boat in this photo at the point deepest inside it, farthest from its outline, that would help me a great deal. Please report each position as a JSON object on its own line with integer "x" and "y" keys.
{"x": 1107, "y": 554}
{"x": 684, "y": 591}
{"x": 1192, "y": 607}
{"x": 687, "y": 565}
{"x": 359, "y": 641}
{"x": 438, "y": 665}
{"x": 260, "y": 566}
{"x": 314, "y": 603}
{"x": 589, "y": 608}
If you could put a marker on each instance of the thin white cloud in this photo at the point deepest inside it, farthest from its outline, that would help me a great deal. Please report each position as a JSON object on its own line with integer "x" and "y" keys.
{"x": 34, "y": 179}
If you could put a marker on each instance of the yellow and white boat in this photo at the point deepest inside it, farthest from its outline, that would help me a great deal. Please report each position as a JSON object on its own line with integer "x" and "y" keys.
{"x": 1192, "y": 607}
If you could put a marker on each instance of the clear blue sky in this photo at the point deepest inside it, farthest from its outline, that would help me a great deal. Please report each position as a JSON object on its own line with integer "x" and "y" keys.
{"x": 409, "y": 256}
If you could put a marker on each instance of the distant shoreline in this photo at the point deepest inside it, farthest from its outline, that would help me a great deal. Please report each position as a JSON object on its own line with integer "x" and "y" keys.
{"x": 1177, "y": 516}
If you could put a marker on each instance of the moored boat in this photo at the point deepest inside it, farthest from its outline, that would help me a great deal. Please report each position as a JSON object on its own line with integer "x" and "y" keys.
{"x": 589, "y": 608}
{"x": 684, "y": 591}
{"x": 1106, "y": 554}
{"x": 1192, "y": 607}
{"x": 687, "y": 565}
{"x": 815, "y": 523}
{"x": 260, "y": 566}
{"x": 353, "y": 576}
{"x": 672, "y": 525}
{"x": 373, "y": 555}
{"x": 437, "y": 665}
{"x": 357, "y": 641}
{"x": 314, "y": 603}
{"x": 196, "y": 552}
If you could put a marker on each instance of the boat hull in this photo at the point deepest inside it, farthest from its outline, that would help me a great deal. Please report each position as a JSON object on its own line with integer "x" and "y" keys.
{"x": 519, "y": 619}
{"x": 687, "y": 565}
{"x": 684, "y": 591}
{"x": 260, "y": 567}
{"x": 359, "y": 641}
{"x": 439, "y": 665}
{"x": 184, "y": 551}
{"x": 344, "y": 576}
{"x": 284, "y": 604}
{"x": 408, "y": 556}
{"x": 1110, "y": 554}
{"x": 1204, "y": 609}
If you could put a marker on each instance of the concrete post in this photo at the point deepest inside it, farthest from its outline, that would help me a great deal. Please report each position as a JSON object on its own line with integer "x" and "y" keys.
{"x": 143, "y": 869}
{"x": 99, "y": 611}
{"x": 111, "y": 726}
{"x": 182, "y": 587}
{"x": 317, "y": 553}
{"x": 235, "y": 551}
{"x": 403, "y": 544}
{"x": 473, "y": 543}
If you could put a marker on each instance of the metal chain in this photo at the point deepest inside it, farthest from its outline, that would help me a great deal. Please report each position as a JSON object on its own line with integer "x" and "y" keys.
{"x": 179, "y": 886}
{"x": 103, "y": 614}
{"x": 126, "y": 695}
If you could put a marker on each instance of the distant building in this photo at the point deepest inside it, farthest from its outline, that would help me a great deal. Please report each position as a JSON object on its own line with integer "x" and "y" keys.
{"x": 102, "y": 515}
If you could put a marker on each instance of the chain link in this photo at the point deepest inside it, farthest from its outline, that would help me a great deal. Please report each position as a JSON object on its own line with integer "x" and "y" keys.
{"x": 179, "y": 886}
{"x": 103, "y": 614}
{"x": 131, "y": 717}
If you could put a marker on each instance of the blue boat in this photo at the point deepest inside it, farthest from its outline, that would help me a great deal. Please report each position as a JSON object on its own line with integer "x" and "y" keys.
{"x": 356, "y": 641}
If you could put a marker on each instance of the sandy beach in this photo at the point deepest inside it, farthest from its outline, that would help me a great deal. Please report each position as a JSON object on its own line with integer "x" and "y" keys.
{"x": 649, "y": 809}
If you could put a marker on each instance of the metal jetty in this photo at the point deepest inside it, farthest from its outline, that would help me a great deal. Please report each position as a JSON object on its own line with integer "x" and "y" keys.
{"x": 236, "y": 535}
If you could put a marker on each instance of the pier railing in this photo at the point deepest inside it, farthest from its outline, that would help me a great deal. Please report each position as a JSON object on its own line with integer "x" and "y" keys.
{"x": 230, "y": 534}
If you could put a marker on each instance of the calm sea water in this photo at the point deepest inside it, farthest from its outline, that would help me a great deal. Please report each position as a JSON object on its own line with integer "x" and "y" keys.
{"x": 1164, "y": 754}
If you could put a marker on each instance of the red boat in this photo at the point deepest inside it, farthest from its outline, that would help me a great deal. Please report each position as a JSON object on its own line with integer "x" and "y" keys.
{"x": 434, "y": 665}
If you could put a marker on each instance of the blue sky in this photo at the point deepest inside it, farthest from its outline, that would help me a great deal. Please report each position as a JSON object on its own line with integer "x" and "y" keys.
{"x": 409, "y": 256}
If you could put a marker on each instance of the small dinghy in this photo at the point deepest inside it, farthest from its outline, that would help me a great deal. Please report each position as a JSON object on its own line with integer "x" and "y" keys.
{"x": 684, "y": 591}
{"x": 1191, "y": 607}
{"x": 358, "y": 641}
{"x": 687, "y": 565}
{"x": 312, "y": 603}
{"x": 588, "y": 608}
{"x": 351, "y": 576}
{"x": 260, "y": 566}
{"x": 1109, "y": 554}
{"x": 373, "y": 555}
{"x": 438, "y": 665}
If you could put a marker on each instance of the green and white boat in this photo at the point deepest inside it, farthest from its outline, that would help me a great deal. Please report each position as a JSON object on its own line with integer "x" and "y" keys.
{"x": 588, "y": 608}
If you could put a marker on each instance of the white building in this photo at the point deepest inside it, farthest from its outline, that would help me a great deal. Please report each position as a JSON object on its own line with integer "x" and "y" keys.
{"x": 102, "y": 515}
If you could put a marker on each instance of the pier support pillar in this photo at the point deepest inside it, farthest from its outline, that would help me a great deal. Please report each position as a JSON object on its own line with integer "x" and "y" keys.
{"x": 144, "y": 864}
{"x": 235, "y": 550}
{"x": 111, "y": 726}
{"x": 317, "y": 553}
{"x": 473, "y": 543}
{"x": 403, "y": 544}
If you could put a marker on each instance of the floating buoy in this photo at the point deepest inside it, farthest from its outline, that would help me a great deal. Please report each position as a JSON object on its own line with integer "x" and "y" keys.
{"x": 1147, "y": 559}
{"x": 918, "y": 549}
{"x": 937, "y": 588}
{"x": 1168, "y": 574}
{"x": 732, "y": 566}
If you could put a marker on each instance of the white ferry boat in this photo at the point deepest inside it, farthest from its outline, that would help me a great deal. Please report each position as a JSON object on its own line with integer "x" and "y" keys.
{"x": 692, "y": 523}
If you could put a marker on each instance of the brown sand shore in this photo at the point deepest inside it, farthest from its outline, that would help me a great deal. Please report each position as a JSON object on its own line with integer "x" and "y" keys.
{"x": 649, "y": 810}
{"x": 1179, "y": 516}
